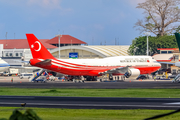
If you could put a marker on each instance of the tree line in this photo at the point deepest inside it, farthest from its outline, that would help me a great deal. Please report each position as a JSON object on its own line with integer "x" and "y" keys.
{"x": 139, "y": 45}
{"x": 161, "y": 18}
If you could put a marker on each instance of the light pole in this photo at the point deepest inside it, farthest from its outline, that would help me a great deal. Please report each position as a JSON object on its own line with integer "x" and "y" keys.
{"x": 147, "y": 34}
{"x": 59, "y": 36}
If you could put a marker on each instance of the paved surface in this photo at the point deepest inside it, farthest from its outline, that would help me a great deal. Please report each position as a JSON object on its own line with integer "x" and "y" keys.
{"x": 91, "y": 102}
{"x": 24, "y": 83}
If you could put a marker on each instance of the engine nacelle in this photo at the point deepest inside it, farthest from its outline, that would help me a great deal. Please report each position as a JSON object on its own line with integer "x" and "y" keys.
{"x": 132, "y": 72}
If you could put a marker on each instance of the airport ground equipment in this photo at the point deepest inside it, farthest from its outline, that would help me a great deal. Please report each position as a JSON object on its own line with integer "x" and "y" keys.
{"x": 164, "y": 76}
{"x": 26, "y": 75}
{"x": 51, "y": 78}
{"x": 41, "y": 79}
{"x": 108, "y": 77}
{"x": 39, "y": 73}
{"x": 177, "y": 78}
{"x": 78, "y": 79}
{"x": 10, "y": 72}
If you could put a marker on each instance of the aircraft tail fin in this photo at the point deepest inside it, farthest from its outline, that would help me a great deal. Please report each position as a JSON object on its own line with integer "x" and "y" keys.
{"x": 37, "y": 48}
{"x": 178, "y": 39}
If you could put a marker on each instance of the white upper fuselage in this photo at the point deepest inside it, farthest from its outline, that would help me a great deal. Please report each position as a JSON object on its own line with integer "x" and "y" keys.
{"x": 117, "y": 61}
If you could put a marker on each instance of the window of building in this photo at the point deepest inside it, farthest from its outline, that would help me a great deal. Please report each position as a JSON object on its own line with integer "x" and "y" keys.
{"x": 21, "y": 55}
{"x": 10, "y": 54}
{"x": 163, "y": 52}
{"x": 176, "y": 57}
{"x": 173, "y": 71}
{"x": 17, "y": 54}
{"x": 169, "y": 51}
{"x": 6, "y": 54}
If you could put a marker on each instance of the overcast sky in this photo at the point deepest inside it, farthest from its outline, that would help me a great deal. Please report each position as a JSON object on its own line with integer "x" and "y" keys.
{"x": 92, "y": 21}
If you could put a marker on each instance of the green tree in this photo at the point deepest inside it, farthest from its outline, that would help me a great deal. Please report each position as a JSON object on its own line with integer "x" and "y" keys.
{"x": 160, "y": 18}
{"x": 28, "y": 115}
{"x": 139, "y": 45}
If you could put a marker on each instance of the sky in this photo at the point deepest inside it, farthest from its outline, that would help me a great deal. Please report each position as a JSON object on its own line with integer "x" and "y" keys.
{"x": 95, "y": 22}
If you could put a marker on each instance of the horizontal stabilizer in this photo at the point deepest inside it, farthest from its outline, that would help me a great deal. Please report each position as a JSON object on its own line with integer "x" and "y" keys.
{"x": 46, "y": 62}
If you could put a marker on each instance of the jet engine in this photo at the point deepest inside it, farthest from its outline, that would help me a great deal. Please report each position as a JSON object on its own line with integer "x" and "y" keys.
{"x": 132, "y": 72}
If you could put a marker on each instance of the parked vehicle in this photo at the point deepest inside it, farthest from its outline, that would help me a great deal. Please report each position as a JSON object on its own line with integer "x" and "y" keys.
{"x": 41, "y": 79}
{"x": 141, "y": 77}
{"x": 10, "y": 72}
{"x": 25, "y": 75}
{"x": 51, "y": 78}
{"x": 5, "y": 73}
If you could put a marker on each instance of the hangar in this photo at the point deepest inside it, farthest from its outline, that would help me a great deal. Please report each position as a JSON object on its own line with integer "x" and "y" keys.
{"x": 87, "y": 52}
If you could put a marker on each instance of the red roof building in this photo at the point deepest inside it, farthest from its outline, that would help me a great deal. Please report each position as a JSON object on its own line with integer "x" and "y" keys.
{"x": 22, "y": 44}
{"x": 49, "y": 44}
{"x": 166, "y": 54}
{"x": 65, "y": 40}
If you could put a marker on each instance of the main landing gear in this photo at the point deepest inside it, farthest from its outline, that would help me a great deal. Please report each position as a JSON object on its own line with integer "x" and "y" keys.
{"x": 79, "y": 79}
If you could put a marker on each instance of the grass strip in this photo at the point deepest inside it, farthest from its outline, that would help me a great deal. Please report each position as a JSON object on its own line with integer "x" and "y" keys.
{"x": 92, "y": 114}
{"x": 147, "y": 93}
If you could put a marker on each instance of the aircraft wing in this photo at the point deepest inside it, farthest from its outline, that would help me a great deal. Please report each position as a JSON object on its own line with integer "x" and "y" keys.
{"x": 121, "y": 70}
{"x": 27, "y": 67}
{"x": 167, "y": 63}
{"x": 21, "y": 61}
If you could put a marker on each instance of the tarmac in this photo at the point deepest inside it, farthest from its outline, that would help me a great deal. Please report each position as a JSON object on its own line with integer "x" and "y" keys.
{"x": 15, "y": 81}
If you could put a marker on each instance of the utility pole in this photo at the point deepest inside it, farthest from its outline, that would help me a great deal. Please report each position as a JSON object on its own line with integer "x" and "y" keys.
{"x": 147, "y": 34}
{"x": 59, "y": 37}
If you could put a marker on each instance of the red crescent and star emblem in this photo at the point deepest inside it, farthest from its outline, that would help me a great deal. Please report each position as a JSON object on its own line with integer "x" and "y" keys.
{"x": 35, "y": 47}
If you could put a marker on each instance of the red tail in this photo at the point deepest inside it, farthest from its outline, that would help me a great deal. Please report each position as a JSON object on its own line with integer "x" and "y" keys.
{"x": 37, "y": 48}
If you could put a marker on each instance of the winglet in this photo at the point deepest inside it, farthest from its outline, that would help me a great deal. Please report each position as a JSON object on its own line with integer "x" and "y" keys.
{"x": 178, "y": 39}
{"x": 37, "y": 48}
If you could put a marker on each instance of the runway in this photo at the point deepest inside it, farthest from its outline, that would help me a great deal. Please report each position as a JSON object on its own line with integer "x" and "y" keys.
{"x": 93, "y": 85}
{"x": 91, "y": 102}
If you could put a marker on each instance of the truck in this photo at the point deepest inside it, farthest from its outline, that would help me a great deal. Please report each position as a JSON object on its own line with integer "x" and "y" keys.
{"x": 10, "y": 72}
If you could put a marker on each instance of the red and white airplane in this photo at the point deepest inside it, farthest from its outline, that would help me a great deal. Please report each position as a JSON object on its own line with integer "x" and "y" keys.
{"x": 128, "y": 65}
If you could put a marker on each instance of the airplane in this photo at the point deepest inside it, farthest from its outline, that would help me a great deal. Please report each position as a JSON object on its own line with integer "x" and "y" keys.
{"x": 3, "y": 65}
{"x": 119, "y": 65}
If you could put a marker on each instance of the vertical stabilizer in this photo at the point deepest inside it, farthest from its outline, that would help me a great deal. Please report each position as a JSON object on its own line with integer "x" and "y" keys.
{"x": 37, "y": 48}
{"x": 178, "y": 39}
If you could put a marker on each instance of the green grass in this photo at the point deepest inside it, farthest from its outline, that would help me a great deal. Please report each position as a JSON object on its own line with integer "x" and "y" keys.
{"x": 92, "y": 114}
{"x": 148, "y": 93}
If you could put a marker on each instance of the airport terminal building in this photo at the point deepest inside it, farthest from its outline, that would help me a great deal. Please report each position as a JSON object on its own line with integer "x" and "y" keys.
{"x": 168, "y": 55}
